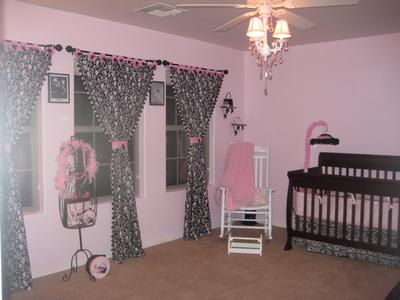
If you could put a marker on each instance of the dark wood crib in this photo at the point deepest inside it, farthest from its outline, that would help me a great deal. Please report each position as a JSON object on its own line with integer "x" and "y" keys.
{"x": 349, "y": 199}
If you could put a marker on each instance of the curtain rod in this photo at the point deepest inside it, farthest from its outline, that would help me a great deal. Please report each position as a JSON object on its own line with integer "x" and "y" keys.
{"x": 58, "y": 47}
{"x": 167, "y": 63}
{"x": 72, "y": 50}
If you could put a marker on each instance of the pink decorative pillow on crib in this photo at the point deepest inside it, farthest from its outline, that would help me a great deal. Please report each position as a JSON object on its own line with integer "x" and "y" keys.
{"x": 260, "y": 197}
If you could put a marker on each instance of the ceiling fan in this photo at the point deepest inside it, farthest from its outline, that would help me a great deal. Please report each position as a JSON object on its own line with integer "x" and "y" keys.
{"x": 275, "y": 8}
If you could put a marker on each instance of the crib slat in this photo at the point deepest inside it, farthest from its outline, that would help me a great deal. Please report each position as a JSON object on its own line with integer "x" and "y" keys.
{"x": 353, "y": 220}
{"x": 305, "y": 210}
{"x": 328, "y": 214}
{"x": 362, "y": 218}
{"x": 320, "y": 214}
{"x": 336, "y": 212}
{"x": 312, "y": 209}
{"x": 296, "y": 220}
{"x": 380, "y": 220}
{"x": 344, "y": 227}
{"x": 371, "y": 218}
{"x": 398, "y": 225}
{"x": 389, "y": 232}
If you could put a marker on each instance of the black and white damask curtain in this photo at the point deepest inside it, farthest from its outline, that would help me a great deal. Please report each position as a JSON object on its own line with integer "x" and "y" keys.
{"x": 196, "y": 93}
{"x": 118, "y": 88}
{"x": 22, "y": 71}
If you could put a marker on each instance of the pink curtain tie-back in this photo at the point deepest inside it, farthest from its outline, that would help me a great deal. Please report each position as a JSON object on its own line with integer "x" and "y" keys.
{"x": 7, "y": 148}
{"x": 195, "y": 140}
{"x": 119, "y": 144}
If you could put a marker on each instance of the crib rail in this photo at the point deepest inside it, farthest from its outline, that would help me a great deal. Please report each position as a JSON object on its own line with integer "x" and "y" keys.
{"x": 360, "y": 165}
{"x": 314, "y": 179}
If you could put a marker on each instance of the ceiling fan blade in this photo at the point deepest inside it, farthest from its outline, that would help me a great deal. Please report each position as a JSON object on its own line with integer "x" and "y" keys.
{"x": 236, "y": 21}
{"x": 314, "y": 3}
{"x": 205, "y": 5}
{"x": 294, "y": 19}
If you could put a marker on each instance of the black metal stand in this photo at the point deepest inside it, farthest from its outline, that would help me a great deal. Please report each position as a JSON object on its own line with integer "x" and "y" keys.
{"x": 74, "y": 259}
{"x": 78, "y": 206}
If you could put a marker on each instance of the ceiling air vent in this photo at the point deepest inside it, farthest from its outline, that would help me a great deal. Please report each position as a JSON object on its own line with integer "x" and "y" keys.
{"x": 161, "y": 10}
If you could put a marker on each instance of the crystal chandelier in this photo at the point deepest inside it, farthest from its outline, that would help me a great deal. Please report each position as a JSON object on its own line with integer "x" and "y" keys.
{"x": 267, "y": 55}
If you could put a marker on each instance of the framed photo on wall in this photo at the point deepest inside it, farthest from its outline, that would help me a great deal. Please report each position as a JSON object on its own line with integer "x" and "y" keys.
{"x": 58, "y": 88}
{"x": 157, "y": 93}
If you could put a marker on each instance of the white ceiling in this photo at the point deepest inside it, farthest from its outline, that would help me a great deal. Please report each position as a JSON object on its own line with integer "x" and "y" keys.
{"x": 369, "y": 17}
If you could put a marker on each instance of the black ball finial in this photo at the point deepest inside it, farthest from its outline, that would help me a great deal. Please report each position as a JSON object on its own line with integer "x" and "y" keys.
{"x": 70, "y": 49}
{"x": 58, "y": 47}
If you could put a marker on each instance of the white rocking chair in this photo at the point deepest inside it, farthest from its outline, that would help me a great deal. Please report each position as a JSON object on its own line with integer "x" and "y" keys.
{"x": 261, "y": 210}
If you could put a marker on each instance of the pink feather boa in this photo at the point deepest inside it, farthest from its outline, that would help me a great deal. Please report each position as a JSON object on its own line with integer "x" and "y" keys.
{"x": 90, "y": 163}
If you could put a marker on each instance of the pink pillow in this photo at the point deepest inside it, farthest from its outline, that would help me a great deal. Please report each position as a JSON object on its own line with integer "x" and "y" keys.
{"x": 260, "y": 197}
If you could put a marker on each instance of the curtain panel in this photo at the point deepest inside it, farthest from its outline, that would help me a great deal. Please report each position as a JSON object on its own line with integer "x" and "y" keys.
{"x": 23, "y": 70}
{"x": 196, "y": 93}
{"x": 118, "y": 88}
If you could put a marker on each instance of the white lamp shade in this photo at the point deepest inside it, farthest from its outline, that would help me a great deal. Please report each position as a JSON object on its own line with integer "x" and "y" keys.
{"x": 255, "y": 29}
{"x": 281, "y": 30}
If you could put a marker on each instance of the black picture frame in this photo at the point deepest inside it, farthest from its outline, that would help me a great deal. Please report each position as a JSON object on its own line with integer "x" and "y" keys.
{"x": 58, "y": 88}
{"x": 157, "y": 93}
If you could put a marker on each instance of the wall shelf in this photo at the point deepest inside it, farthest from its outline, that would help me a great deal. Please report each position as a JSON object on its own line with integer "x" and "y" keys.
{"x": 227, "y": 109}
{"x": 237, "y": 127}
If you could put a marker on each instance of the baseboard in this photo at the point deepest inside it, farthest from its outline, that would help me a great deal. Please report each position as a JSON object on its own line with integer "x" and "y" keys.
{"x": 109, "y": 255}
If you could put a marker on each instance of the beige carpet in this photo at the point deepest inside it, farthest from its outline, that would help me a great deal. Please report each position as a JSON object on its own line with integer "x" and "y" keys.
{"x": 203, "y": 270}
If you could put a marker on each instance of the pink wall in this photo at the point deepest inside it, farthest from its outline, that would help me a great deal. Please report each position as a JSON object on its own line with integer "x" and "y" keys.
{"x": 2, "y": 19}
{"x": 352, "y": 84}
{"x": 160, "y": 213}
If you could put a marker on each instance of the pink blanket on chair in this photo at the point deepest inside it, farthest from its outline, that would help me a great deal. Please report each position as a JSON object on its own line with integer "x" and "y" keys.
{"x": 239, "y": 176}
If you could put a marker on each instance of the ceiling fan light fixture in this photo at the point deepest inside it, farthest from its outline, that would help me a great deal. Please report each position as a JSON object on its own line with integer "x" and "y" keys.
{"x": 269, "y": 45}
{"x": 282, "y": 30}
{"x": 267, "y": 32}
{"x": 255, "y": 29}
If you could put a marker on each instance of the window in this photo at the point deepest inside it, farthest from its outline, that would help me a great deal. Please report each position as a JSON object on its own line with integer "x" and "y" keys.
{"x": 176, "y": 144}
{"x": 88, "y": 129}
{"x": 26, "y": 161}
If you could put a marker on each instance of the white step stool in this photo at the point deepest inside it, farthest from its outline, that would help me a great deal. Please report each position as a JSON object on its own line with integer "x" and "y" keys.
{"x": 244, "y": 245}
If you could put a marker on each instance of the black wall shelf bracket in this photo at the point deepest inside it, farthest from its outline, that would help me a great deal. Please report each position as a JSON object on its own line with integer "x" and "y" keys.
{"x": 237, "y": 127}
{"x": 227, "y": 109}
